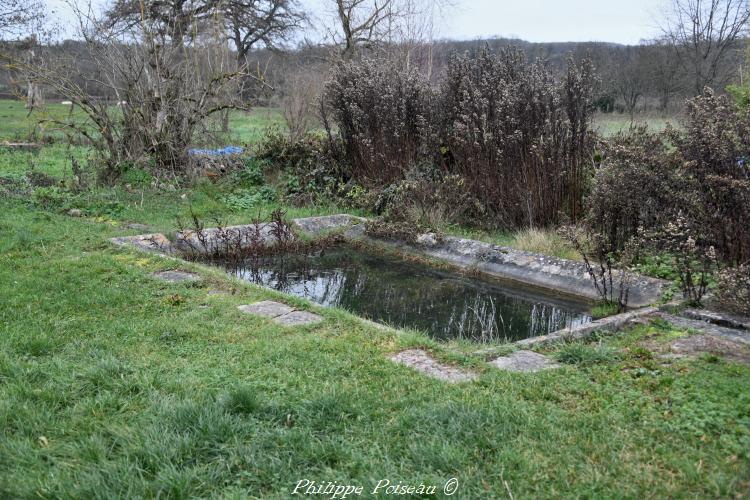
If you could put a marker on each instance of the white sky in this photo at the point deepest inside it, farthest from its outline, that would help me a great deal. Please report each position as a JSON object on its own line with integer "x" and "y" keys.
{"x": 556, "y": 20}
{"x": 532, "y": 20}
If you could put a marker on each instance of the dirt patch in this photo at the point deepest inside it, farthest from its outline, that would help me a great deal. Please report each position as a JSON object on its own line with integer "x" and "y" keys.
{"x": 695, "y": 345}
{"x": 700, "y": 337}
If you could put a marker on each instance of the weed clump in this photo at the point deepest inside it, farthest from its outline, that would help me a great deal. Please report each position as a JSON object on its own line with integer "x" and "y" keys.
{"x": 242, "y": 401}
{"x": 584, "y": 355}
{"x": 604, "y": 309}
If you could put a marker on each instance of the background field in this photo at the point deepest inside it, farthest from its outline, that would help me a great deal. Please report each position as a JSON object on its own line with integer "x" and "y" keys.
{"x": 16, "y": 123}
{"x": 611, "y": 123}
{"x": 247, "y": 127}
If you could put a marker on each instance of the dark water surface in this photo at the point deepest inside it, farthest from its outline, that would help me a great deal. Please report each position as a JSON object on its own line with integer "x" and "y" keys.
{"x": 444, "y": 305}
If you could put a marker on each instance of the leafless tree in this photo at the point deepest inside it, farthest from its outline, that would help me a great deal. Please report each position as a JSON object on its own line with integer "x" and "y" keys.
{"x": 631, "y": 79}
{"x": 26, "y": 20}
{"x": 300, "y": 93}
{"x": 378, "y": 23}
{"x": 665, "y": 74}
{"x": 704, "y": 33}
{"x": 251, "y": 24}
{"x": 248, "y": 23}
{"x": 254, "y": 23}
{"x": 362, "y": 22}
{"x": 165, "y": 90}
{"x": 17, "y": 17}
{"x": 172, "y": 22}
{"x": 34, "y": 95}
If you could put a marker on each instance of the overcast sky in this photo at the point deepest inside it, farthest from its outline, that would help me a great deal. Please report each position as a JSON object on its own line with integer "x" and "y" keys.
{"x": 532, "y": 20}
{"x": 555, "y": 20}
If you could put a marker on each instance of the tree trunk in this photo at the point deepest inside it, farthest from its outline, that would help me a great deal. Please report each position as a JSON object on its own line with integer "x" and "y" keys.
{"x": 225, "y": 121}
{"x": 34, "y": 96}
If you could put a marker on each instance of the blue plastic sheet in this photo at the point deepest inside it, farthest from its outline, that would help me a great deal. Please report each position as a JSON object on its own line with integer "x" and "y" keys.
{"x": 228, "y": 150}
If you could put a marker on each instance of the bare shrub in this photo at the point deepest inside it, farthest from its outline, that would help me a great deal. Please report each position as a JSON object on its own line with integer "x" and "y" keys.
{"x": 713, "y": 149}
{"x": 608, "y": 269}
{"x": 299, "y": 101}
{"x": 697, "y": 177}
{"x": 733, "y": 289}
{"x": 519, "y": 137}
{"x": 383, "y": 118}
{"x": 635, "y": 188}
{"x": 167, "y": 82}
{"x": 17, "y": 16}
{"x": 693, "y": 256}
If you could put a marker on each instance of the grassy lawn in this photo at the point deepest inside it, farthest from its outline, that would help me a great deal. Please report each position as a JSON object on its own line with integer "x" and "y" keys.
{"x": 16, "y": 123}
{"x": 612, "y": 123}
{"x": 114, "y": 384}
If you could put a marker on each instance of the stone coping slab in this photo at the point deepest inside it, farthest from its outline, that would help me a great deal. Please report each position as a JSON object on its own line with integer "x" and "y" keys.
{"x": 319, "y": 226}
{"x": 155, "y": 242}
{"x": 421, "y": 361}
{"x": 266, "y": 309}
{"x": 579, "y": 332}
{"x": 176, "y": 276}
{"x": 717, "y": 318}
{"x": 551, "y": 273}
{"x": 213, "y": 240}
{"x": 524, "y": 361}
{"x": 738, "y": 335}
{"x": 281, "y": 314}
{"x": 708, "y": 343}
{"x": 297, "y": 318}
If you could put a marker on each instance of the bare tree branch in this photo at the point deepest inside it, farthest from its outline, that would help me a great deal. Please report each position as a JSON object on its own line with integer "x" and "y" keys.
{"x": 703, "y": 33}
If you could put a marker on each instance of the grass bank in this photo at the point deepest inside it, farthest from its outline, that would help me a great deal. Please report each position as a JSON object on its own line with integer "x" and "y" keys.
{"x": 114, "y": 384}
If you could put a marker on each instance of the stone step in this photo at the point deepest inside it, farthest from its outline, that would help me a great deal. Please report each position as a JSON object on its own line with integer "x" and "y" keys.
{"x": 279, "y": 313}
{"x": 524, "y": 361}
{"x": 421, "y": 361}
{"x": 718, "y": 319}
{"x": 176, "y": 276}
{"x": 733, "y": 334}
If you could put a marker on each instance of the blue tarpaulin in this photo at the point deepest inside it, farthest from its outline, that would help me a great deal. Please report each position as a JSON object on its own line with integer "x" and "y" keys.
{"x": 228, "y": 150}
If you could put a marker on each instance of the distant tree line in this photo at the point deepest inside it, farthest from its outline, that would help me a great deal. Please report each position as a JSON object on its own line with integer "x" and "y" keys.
{"x": 632, "y": 78}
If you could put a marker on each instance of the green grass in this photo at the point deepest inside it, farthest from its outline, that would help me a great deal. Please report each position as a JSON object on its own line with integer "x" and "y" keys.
{"x": 113, "y": 384}
{"x": 249, "y": 127}
{"x": 580, "y": 354}
{"x": 16, "y": 123}
{"x": 113, "y": 387}
{"x": 611, "y": 123}
{"x": 604, "y": 309}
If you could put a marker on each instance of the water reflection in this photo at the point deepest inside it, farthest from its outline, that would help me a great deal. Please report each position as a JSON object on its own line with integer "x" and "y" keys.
{"x": 400, "y": 293}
